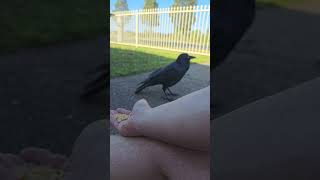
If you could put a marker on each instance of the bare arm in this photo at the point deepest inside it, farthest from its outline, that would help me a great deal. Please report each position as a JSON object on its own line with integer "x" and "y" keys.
{"x": 184, "y": 122}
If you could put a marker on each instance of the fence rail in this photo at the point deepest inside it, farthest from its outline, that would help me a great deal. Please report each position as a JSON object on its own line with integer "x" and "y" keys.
{"x": 182, "y": 29}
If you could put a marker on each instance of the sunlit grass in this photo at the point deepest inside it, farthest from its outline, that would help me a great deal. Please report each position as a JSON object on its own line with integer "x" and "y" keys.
{"x": 129, "y": 60}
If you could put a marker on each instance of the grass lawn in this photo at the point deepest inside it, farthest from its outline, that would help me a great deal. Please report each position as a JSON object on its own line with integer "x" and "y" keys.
{"x": 129, "y": 60}
{"x": 36, "y": 23}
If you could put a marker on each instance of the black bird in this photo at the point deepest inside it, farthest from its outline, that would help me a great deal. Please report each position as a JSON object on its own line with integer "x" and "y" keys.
{"x": 169, "y": 75}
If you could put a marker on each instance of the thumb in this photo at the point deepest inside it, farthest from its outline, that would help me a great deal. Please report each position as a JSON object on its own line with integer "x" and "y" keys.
{"x": 142, "y": 104}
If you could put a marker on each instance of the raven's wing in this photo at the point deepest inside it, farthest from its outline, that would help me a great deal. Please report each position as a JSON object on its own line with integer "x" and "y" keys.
{"x": 150, "y": 76}
{"x": 165, "y": 74}
{"x": 155, "y": 72}
{"x": 158, "y": 72}
{"x": 160, "y": 76}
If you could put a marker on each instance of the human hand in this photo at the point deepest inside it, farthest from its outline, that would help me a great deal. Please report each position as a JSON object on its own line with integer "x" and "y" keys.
{"x": 130, "y": 127}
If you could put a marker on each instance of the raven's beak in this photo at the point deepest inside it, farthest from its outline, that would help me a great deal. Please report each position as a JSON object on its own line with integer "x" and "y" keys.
{"x": 191, "y": 57}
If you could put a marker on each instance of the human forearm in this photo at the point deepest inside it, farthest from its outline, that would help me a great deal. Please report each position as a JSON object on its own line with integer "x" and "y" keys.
{"x": 184, "y": 122}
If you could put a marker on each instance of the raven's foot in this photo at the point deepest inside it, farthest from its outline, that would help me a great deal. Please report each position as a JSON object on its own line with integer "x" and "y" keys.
{"x": 173, "y": 94}
{"x": 167, "y": 98}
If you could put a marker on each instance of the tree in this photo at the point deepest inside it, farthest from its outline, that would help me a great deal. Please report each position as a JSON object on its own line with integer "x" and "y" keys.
{"x": 150, "y": 4}
{"x": 179, "y": 26}
{"x": 121, "y": 5}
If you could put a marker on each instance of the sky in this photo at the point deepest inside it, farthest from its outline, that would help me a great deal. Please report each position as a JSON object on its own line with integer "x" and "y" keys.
{"x": 138, "y": 4}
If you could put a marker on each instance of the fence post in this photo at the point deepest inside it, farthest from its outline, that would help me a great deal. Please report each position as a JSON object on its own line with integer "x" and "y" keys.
{"x": 137, "y": 27}
{"x": 120, "y": 22}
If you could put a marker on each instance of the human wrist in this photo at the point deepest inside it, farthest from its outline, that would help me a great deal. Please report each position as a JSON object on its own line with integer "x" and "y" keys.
{"x": 143, "y": 120}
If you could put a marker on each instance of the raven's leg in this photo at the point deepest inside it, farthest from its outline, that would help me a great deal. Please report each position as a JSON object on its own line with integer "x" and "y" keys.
{"x": 172, "y": 94}
{"x": 164, "y": 91}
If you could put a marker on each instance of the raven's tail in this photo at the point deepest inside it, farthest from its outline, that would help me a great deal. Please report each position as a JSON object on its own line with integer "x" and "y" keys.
{"x": 141, "y": 87}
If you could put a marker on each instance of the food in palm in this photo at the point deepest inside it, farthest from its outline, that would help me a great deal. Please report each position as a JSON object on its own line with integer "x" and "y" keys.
{"x": 121, "y": 117}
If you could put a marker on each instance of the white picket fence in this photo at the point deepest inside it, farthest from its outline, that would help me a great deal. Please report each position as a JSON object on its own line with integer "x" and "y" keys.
{"x": 182, "y": 29}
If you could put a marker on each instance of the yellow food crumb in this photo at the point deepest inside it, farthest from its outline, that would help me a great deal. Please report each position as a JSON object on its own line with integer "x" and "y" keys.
{"x": 121, "y": 117}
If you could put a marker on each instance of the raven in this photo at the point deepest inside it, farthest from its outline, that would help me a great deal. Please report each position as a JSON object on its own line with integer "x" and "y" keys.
{"x": 169, "y": 75}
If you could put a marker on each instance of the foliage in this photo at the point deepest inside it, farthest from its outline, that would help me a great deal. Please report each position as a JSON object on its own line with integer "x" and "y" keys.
{"x": 121, "y": 5}
{"x": 179, "y": 26}
{"x": 150, "y": 4}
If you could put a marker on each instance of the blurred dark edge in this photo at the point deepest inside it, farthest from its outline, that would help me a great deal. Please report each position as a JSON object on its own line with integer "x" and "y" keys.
{"x": 280, "y": 51}
{"x": 41, "y": 87}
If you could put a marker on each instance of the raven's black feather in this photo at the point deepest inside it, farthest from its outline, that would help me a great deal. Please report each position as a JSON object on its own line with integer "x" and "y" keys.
{"x": 169, "y": 75}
